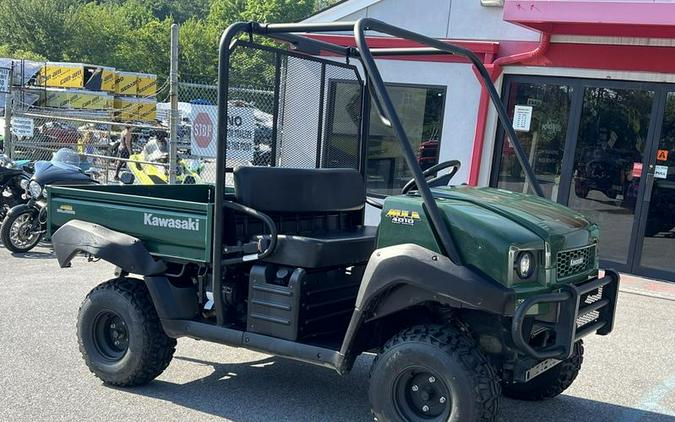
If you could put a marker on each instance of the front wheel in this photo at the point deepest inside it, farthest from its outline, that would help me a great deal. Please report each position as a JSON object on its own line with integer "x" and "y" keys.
{"x": 120, "y": 336}
{"x": 433, "y": 373}
{"x": 20, "y": 232}
{"x": 552, "y": 382}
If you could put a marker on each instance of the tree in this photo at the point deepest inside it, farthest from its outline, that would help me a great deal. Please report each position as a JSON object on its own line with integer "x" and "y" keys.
{"x": 198, "y": 53}
{"x": 6, "y": 51}
{"x": 43, "y": 27}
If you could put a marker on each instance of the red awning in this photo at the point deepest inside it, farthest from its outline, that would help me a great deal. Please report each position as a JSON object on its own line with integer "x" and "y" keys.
{"x": 637, "y": 18}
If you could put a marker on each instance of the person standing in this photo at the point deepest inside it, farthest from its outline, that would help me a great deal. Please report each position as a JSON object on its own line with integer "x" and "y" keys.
{"x": 124, "y": 149}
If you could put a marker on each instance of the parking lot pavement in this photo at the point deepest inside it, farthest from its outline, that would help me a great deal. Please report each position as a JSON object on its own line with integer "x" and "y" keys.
{"x": 628, "y": 376}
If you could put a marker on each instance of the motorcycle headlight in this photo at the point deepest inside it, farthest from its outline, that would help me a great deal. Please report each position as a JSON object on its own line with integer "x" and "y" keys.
{"x": 24, "y": 184}
{"x": 525, "y": 265}
{"x": 34, "y": 189}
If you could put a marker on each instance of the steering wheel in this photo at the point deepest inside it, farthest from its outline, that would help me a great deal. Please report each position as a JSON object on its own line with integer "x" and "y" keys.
{"x": 435, "y": 180}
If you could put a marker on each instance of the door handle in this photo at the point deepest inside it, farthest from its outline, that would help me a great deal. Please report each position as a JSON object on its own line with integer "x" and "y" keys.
{"x": 648, "y": 188}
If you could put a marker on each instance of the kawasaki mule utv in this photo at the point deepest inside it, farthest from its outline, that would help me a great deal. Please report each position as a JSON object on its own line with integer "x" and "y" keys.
{"x": 462, "y": 293}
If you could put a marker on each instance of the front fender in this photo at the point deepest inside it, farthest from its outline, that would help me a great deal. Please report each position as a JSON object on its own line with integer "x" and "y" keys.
{"x": 401, "y": 276}
{"x": 122, "y": 250}
{"x": 21, "y": 208}
{"x": 426, "y": 270}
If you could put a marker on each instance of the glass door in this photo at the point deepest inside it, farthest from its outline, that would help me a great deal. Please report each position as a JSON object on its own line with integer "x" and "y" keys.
{"x": 608, "y": 158}
{"x": 657, "y": 252}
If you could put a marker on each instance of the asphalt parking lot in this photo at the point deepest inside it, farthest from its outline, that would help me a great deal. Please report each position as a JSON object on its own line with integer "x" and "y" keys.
{"x": 628, "y": 376}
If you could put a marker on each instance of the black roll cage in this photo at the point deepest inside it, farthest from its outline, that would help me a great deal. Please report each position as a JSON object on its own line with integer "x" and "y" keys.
{"x": 295, "y": 34}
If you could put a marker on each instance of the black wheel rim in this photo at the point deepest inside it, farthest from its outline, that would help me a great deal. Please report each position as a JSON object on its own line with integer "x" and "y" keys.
{"x": 111, "y": 335}
{"x": 420, "y": 394}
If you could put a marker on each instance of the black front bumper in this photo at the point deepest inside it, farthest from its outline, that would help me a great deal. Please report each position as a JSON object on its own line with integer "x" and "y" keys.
{"x": 582, "y": 310}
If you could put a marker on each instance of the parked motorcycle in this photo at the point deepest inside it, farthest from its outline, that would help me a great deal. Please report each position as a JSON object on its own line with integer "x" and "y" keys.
{"x": 13, "y": 179}
{"x": 188, "y": 171}
{"x": 25, "y": 224}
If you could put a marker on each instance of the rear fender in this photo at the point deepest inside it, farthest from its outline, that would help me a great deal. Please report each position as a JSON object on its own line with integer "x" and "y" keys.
{"x": 126, "y": 252}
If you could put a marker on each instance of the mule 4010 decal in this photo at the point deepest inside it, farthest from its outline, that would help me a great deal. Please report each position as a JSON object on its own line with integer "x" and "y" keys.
{"x": 407, "y": 218}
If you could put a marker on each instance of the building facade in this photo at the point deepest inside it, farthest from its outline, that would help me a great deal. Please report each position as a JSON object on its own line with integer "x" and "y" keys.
{"x": 590, "y": 84}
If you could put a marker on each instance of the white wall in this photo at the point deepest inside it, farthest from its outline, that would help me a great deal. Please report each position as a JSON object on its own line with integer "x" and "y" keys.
{"x": 459, "y": 19}
{"x": 468, "y": 19}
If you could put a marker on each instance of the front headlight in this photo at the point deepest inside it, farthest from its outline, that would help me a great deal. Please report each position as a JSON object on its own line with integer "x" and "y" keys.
{"x": 24, "y": 184}
{"x": 525, "y": 265}
{"x": 34, "y": 189}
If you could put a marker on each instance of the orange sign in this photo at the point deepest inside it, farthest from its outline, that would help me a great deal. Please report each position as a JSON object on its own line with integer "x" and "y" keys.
{"x": 662, "y": 155}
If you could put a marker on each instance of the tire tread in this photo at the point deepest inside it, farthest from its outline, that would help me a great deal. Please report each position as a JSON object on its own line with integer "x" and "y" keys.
{"x": 461, "y": 347}
{"x": 157, "y": 356}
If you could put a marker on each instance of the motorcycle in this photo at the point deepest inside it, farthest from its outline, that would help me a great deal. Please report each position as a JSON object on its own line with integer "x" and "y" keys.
{"x": 14, "y": 176}
{"x": 188, "y": 171}
{"x": 25, "y": 224}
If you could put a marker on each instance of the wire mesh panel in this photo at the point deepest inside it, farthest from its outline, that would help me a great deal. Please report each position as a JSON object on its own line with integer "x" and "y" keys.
{"x": 315, "y": 116}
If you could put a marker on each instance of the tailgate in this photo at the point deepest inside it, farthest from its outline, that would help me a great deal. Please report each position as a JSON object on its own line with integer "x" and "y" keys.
{"x": 169, "y": 228}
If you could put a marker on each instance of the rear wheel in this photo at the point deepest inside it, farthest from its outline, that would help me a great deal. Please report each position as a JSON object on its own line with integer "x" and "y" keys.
{"x": 20, "y": 232}
{"x": 120, "y": 335}
{"x": 552, "y": 382}
{"x": 433, "y": 373}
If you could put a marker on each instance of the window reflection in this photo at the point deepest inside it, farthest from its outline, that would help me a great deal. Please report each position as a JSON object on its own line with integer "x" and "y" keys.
{"x": 543, "y": 143}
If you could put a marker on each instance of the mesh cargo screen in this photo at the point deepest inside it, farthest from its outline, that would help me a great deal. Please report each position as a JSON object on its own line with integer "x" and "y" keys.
{"x": 312, "y": 121}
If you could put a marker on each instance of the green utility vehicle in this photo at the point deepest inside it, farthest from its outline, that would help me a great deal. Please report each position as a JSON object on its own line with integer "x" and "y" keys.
{"x": 462, "y": 293}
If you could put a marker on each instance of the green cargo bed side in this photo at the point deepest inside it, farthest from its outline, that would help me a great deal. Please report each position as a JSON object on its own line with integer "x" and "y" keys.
{"x": 174, "y": 222}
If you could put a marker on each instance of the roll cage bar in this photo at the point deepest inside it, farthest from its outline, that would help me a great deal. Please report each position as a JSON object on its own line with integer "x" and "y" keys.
{"x": 295, "y": 34}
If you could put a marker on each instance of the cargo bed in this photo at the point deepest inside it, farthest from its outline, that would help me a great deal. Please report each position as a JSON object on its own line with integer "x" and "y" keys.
{"x": 173, "y": 221}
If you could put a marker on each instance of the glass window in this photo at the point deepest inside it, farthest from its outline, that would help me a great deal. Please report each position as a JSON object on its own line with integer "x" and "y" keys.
{"x": 658, "y": 247}
{"x": 543, "y": 143}
{"x": 421, "y": 112}
{"x": 608, "y": 163}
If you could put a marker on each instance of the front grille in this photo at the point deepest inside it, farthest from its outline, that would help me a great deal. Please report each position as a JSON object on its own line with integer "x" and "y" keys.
{"x": 585, "y": 300}
{"x": 575, "y": 261}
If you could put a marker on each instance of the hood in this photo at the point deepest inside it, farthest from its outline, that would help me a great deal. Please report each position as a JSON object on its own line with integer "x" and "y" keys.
{"x": 545, "y": 218}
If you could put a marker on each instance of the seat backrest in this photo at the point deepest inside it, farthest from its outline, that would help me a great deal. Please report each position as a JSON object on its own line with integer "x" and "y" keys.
{"x": 277, "y": 189}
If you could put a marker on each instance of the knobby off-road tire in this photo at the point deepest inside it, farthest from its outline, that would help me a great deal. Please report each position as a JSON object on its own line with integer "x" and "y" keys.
{"x": 552, "y": 382}
{"x": 433, "y": 373}
{"x": 120, "y": 335}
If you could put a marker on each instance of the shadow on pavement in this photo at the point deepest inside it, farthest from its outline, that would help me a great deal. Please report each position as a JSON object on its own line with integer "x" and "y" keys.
{"x": 283, "y": 390}
{"x": 45, "y": 252}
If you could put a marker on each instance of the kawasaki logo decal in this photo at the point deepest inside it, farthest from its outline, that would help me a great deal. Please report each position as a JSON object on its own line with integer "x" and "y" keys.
{"x": 577, "y": 261}
{"x": 191, "y": 224}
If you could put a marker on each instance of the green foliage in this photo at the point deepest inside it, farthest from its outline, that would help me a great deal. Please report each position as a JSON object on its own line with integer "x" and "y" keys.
{"x": 134, "y": 34}
{"x": 6, "y": 51}
{"x": 39, "y": 26}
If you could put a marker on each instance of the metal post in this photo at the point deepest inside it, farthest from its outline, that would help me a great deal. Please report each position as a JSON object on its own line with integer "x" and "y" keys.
{"x": 173, "y": 115}
{"x": 9, "y": 103}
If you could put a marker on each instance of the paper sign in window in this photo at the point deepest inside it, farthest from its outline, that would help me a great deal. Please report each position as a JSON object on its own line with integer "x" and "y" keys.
{"x": 661, "y": 172}
{"x": 522, "y": 118}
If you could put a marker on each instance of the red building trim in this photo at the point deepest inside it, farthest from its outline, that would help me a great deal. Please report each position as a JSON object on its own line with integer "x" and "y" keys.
{"x": 637, "y": 18}
{"x": 486, "y": 50}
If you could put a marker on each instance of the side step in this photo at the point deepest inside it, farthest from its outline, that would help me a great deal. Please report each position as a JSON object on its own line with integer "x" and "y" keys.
{"x": 319, "y": 356}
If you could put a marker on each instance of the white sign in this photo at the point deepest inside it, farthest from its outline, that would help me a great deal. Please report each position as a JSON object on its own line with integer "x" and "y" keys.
{"x": 661, "y": 172}
{"x": 4, "y": 79}
{"x": 522, "y": 118}
{"x": 240, "y": 133}
{"x": 22, "y": 126}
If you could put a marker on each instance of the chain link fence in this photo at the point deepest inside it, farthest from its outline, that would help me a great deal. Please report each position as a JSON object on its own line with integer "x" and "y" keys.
{"x": 197, "y": 109}
{"x": 284, "y": 109}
